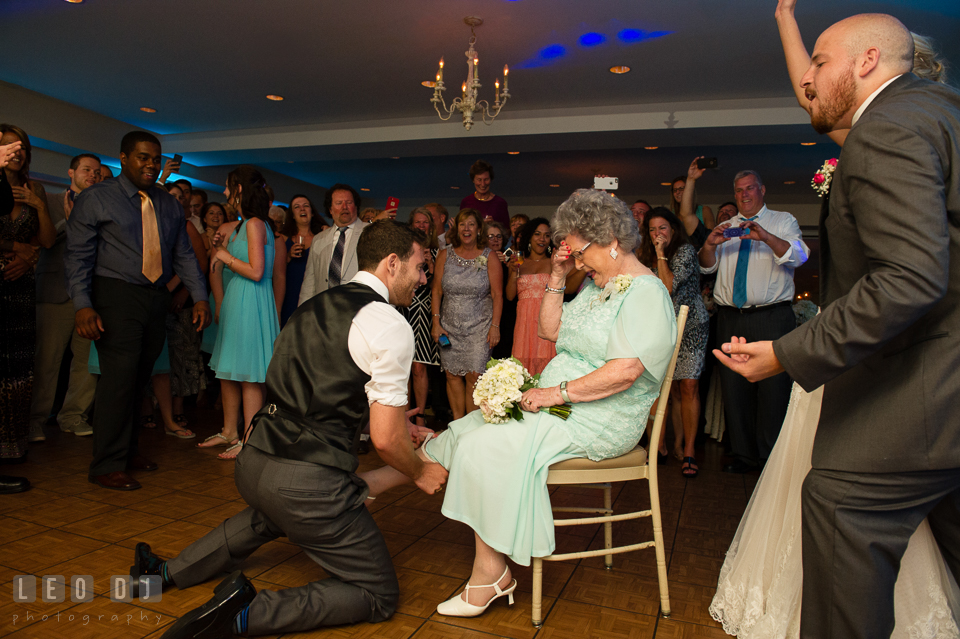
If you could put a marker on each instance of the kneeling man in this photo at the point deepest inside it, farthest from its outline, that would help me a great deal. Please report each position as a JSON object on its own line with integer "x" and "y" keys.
{"x": 342, "y": 354}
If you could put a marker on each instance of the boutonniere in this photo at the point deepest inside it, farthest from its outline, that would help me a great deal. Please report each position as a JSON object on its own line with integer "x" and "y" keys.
{"x": 481, "y": 262}
{"x": 618, "y": 284}
{"x": 823, "y": 177}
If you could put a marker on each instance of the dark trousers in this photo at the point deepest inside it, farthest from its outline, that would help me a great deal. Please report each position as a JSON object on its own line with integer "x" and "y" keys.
{"x": 133, "y": 322}
{"x": 319, "y": 508}
{"x": 855, "y": 530}
{"x": 754, "y": 411}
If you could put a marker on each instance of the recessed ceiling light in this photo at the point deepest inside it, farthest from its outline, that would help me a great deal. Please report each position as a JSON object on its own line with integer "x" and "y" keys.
{"x": 395, "y": 157}
{"x": 429, "y": 83}
{"x": 651, "y": 148}
{"x": 666, "y": 183}
{"x": 619, "y": 70}
{"x": 790, "y": 182}
{"x": 144, "y": 109}
{"x": 808, "y": 143}
{"x": 363, "y": 189}
{"x": 556, "y": 186}
{"x": 275, "y": 98}
{"x": 513, "y": 152}
{"x": 455, "y": 188}
{"x": 74, "y": 1}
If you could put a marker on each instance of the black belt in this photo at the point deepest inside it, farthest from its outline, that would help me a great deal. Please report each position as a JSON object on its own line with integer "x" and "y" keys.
{"x": 755, "y": 309}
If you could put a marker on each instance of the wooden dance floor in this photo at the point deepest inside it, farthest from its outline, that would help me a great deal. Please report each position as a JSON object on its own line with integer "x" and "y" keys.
{"x": 67, "y": 526}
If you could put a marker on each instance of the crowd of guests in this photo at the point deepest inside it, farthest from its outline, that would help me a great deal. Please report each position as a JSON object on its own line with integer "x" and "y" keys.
{"x": 486, "y": 281}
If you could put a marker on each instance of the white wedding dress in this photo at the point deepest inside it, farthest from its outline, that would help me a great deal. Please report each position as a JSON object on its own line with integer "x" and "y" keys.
{"x": 759, "y": 591}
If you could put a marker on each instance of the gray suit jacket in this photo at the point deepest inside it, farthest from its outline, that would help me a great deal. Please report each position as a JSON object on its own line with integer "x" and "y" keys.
{"x": 316, "y": 277}
{"x": 51, "y": 273}
{"x": 886, "y": 346}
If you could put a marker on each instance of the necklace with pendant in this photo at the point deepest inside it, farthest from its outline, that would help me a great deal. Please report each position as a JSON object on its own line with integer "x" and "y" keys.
{"x": 488, "y": 197}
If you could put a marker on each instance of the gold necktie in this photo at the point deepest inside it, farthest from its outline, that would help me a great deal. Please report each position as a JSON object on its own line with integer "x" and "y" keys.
{"x": 152, "y": 260}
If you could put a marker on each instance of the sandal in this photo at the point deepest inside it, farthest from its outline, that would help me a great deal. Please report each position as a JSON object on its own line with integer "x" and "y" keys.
{"x": 181, "y": 420}
{"x": 229, "y": 454}
{"x": 690, "y": 468}
{"x": 225, "y": 442}
{"x": 181, "y": 433}
{"x": 147, "y": 421}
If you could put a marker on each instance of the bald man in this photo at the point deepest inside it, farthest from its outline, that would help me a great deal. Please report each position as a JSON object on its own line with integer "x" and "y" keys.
{"x": 886, "y": 346}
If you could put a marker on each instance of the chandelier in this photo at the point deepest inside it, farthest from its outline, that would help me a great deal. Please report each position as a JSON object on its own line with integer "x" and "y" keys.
{"x": 468, "y": 103}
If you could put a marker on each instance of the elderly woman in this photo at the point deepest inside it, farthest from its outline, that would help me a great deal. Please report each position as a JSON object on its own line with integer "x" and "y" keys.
{"x": 614, "y": 343}
{"x": 467, "y": 302}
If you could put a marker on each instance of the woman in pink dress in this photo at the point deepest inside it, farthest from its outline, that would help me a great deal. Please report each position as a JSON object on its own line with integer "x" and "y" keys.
{"x": 529, "y": 269}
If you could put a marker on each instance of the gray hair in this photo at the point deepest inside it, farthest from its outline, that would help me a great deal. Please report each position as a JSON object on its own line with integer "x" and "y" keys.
{"x": 597, "y": 217}
{"x": 746, "y": 173}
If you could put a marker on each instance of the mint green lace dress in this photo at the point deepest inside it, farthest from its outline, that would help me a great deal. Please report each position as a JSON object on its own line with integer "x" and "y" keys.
{"x": 498, "y": 472}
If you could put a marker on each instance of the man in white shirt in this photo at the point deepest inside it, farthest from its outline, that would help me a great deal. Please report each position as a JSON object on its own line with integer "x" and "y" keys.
{"x": 754, "y": 293}
{"x": 297, "y": 467}
{"x": 333, "y": 256}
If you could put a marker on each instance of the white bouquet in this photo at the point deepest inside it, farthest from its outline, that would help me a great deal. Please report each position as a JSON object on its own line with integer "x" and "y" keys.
{"x": 500, "y": 388}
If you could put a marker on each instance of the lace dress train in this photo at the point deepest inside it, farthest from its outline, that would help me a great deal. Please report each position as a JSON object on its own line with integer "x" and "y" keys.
{"x": 759, "y": 590}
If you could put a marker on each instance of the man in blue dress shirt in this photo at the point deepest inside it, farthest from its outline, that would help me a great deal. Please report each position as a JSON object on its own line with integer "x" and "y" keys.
{"x": 125, "y": 240}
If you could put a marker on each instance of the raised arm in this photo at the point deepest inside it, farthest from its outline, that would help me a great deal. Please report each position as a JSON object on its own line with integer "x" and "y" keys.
{"x": 688, "y": 207}
{"x": 798, "y": 60}
{"x": 495, "y": 274}
{"x": 551, "y": 307}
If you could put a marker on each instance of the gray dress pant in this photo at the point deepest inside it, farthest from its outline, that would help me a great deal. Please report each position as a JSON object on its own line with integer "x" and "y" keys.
{"x": 754, "y": 410}
{"x": 855, "y": 530}
{"x": 319, "y": 508}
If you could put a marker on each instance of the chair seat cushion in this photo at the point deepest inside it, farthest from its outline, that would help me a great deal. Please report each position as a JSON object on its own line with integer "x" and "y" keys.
{"x": 636, "y": 457}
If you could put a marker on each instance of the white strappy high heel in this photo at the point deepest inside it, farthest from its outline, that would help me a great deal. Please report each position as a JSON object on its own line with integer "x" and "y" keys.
{"x": 459, "y": 607}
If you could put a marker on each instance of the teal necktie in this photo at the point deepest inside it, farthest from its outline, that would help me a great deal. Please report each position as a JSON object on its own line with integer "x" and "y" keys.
{"x": 740, "y": 276}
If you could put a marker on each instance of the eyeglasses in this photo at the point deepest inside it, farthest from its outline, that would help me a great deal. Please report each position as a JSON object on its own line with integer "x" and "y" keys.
{"x": 494, "y": 237}
{"x": 578, "y": 255}
{"x": 679, "y": 189}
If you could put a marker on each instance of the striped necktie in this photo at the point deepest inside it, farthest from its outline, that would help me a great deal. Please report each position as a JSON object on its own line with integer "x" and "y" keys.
{"x": 336, "y": 263}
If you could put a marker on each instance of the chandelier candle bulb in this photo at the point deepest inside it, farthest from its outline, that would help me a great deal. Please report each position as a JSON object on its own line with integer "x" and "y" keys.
{"x": 440, "y": 72}
{"x": 496, "y": 87}
{"x": 476, "y": 69}
{"x": 506, "y": 71}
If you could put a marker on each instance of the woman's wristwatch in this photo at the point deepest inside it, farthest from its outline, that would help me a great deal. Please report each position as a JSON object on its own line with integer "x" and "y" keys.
{"x": 563, "y": 392}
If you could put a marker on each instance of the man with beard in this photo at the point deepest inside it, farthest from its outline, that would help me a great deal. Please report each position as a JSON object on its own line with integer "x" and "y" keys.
{"x": 55, "y": 319}
{"x": 333, "y": 256}
{"x": 125, "y": 240}
{"x": 886, "y": 346}
{"x": 297, "y": 469}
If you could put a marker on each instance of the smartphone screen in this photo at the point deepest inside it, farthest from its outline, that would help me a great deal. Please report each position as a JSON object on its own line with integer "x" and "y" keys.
{"x": 444, "y": 341}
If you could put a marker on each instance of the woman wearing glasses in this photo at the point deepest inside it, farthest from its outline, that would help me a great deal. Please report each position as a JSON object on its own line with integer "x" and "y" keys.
{"x": 614, "y": 343}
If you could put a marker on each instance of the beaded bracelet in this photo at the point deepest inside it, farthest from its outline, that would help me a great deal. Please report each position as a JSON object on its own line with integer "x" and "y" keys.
{"x": 555, "y": 290}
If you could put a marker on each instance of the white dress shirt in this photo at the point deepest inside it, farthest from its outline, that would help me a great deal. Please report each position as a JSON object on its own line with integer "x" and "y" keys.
{"x": 769, "y": 278}
{"x": 866, "y": 103}
{"x": 381, "y": 345}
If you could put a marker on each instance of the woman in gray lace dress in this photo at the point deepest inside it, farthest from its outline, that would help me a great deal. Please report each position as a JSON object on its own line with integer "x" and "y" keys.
{"x": 467, "y": 302}
{"x": 666, "y": 250}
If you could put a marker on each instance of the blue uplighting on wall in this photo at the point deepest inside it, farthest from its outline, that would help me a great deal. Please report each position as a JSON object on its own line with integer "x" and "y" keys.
{"x": 631, "y": 36}
{"x": 592, "y": 39}
{"x": 553, "y": 51}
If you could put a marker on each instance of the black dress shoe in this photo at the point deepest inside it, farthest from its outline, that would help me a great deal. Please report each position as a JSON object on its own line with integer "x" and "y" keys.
{"x": 740, "y": 467}
{"x": 145, "y": 563}
{"x": 215, "y": 619}
{"x": 10, "y": 485}
{"x": 117, "y": 480}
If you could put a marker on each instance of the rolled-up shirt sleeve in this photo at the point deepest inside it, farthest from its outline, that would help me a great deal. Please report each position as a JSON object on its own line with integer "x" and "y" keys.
{"x": 797, "y": 254}
{"x": 381, "y": 344}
